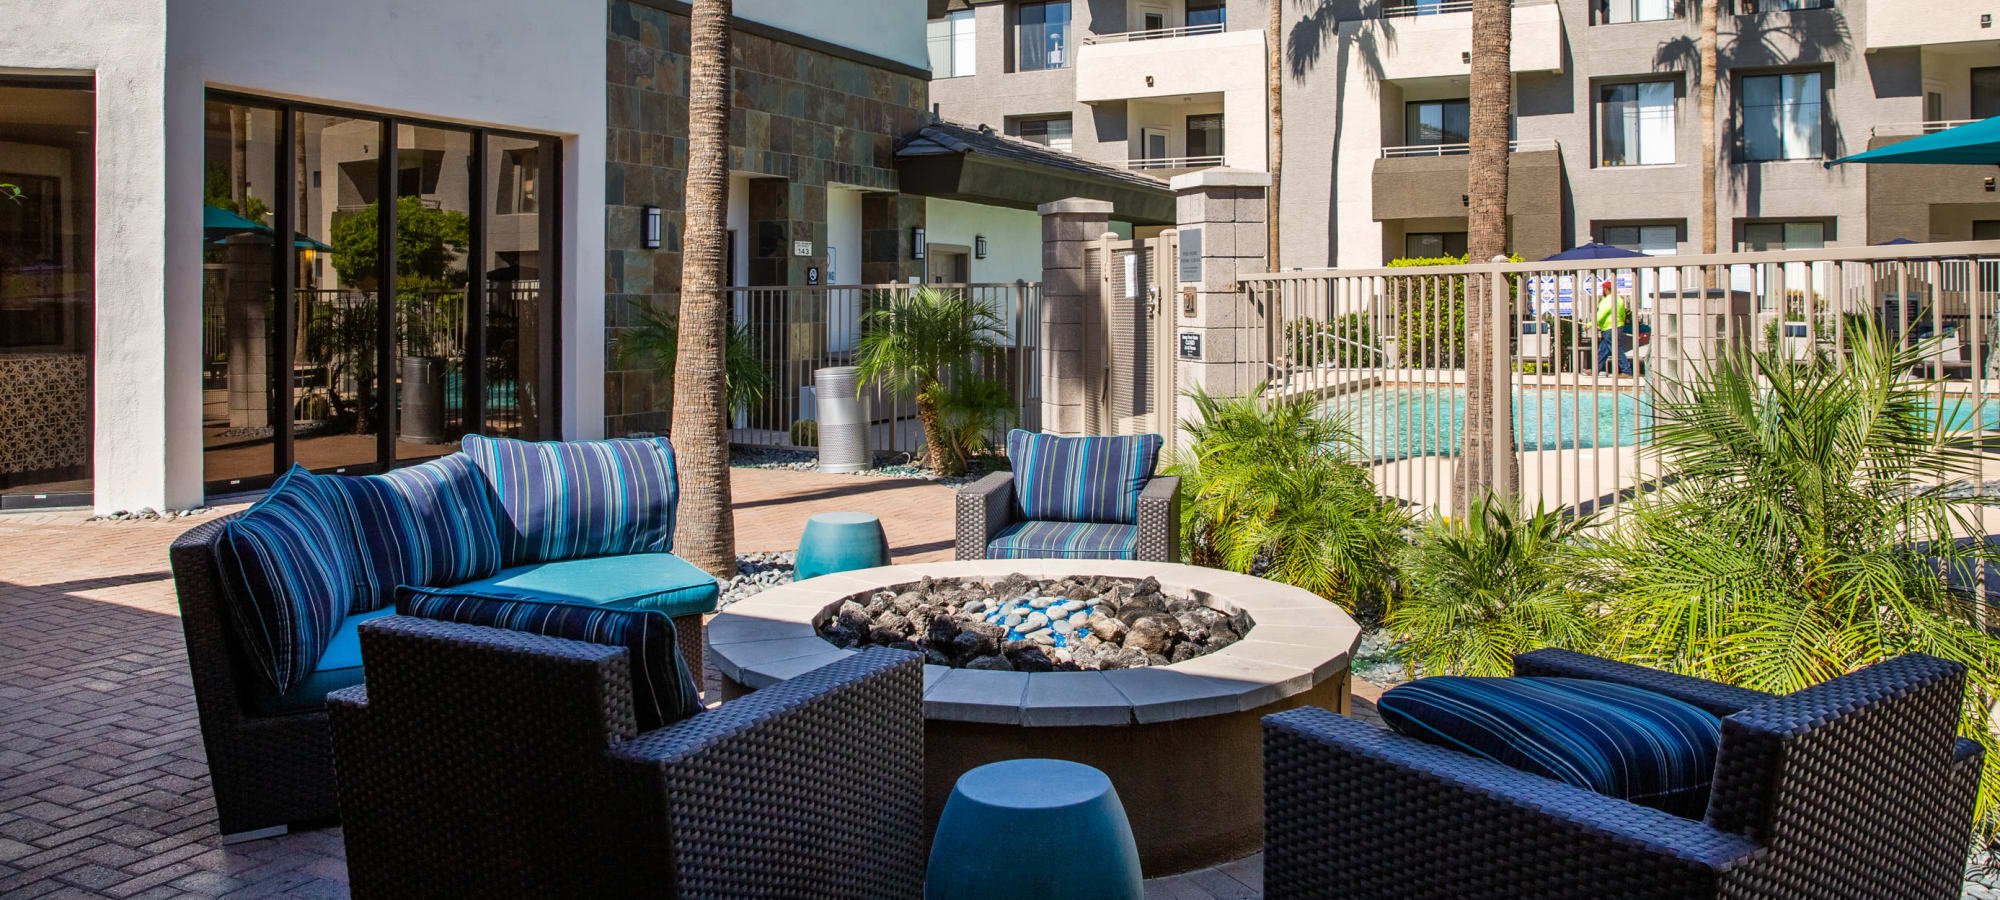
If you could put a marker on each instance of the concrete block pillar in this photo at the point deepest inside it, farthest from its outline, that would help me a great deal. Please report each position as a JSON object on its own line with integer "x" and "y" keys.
{"x": 1068, "y": 226}
{"x": 246, "y": 324}
{"x": 1221, "y": 236}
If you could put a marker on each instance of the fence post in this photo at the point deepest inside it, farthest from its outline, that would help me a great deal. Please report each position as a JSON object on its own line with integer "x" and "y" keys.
{"x": 1221, "y": 236}
{"x": 1068, "y": 226}
{"x": 1501, "y": 357}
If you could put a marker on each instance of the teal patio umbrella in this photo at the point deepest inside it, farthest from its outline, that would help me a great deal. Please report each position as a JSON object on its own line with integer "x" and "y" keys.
{"x": 1975, "y": 144}
{"x": 218, "y": 223}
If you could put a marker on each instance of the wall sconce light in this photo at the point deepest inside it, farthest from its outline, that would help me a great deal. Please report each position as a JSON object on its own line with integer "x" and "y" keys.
{"x": 1986, "y": 20}
{"x": 1465, "y": 200}
{"x": 1989, "y": 184}
{"x": 979, "y": 246}
{"x": 916, "y": 243}
{"x": 1465, "y": 57}
{"x": 1149, "y": 81}
{"x": 652, "y": 229}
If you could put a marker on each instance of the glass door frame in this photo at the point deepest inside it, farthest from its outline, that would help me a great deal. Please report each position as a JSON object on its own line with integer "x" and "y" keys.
{"x": 284, "y": 271}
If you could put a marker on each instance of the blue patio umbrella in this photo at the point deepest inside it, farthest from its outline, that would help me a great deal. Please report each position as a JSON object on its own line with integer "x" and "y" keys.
{"x": 218, "y": 224}
{"x": 1977, "y": 144}
{"x": 1593, "y": 250}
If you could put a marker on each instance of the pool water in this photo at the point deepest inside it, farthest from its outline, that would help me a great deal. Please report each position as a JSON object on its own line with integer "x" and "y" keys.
{"x": 1400, "y": 422}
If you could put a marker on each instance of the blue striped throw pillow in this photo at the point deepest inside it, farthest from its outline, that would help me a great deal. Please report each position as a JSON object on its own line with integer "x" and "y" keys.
{"x": 287, "y": 568}
{"x": 562, "y": 501}
{"x": 1619, "y": 741}
{"x": 663, "y": 692}
{"x": 427, "y": 525}
{"x": 1081, "y": 479}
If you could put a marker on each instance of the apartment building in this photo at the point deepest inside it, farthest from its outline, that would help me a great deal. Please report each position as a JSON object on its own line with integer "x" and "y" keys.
{"x": 1606, "y": 132}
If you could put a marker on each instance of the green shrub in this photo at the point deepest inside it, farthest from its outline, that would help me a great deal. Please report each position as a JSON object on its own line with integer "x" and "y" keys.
{"x": 1430, "y": 313}
{"x": 1347, "y": 341}
{"x": 1480, "y": 588}
{"x": 805, "y": 433}
{"x": 655, "y": 343}
{"x": 1277, "y": 484}
{"x": 1813, "y": 509}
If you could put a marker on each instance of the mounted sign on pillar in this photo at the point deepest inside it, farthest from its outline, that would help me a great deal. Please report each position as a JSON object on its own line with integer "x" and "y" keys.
{"x": 1221, "y": 236}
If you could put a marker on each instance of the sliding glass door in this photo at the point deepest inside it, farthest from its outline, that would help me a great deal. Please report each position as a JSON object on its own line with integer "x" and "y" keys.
{"x": 47, "y": 294}
{"x": 323, "y": 348}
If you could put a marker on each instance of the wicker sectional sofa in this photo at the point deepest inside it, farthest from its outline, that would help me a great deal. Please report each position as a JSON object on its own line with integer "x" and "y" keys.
{"x": 1856, "y": 787}
{"x": 267, "y": 743}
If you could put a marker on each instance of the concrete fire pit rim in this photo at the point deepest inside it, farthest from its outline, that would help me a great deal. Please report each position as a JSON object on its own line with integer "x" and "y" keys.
{"x": 772, "y": 636}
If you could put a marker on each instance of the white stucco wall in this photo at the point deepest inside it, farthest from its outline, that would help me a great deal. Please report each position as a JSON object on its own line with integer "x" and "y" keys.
{"x": 453, "y": 60}
{"x": 1013, "y": 237}
{"x": 892, "y": 29}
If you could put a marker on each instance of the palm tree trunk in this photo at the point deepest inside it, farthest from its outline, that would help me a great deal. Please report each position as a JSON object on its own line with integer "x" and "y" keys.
{"x": 935, "y": 455}
{"x": 706, "y": 532}
{"x": 1274, "y": 82}
{"x": 1491, "y": 101}
{"x": 1710, "y": 11}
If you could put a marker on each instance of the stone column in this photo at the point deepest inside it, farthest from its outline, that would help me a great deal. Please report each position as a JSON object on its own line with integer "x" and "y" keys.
{"x": 1222, "y": 234}
{"x": 246, "y": 323}
{"x": 1068, "y": 226}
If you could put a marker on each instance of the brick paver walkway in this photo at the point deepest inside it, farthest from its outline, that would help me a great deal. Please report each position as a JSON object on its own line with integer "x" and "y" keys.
{"x": 103, "y": 786}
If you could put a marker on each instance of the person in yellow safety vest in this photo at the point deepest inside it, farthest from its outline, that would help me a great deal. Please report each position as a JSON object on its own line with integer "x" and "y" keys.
{"x": 1613, "y": 319}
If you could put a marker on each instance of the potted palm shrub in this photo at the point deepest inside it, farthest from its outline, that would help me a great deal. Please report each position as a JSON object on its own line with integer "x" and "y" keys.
{"x": 927, "y": 343}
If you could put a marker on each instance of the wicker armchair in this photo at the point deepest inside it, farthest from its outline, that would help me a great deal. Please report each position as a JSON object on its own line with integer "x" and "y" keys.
{"x": 1857, "y": 787}
{"x": 986, "y": 506}
{"x": 484, "y": 762}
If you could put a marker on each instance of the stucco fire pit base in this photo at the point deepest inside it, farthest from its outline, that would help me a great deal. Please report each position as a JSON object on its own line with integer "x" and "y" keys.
{"x": 1183, "y": 743}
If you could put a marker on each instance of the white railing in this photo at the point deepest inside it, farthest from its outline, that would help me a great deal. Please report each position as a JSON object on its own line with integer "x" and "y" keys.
{"x": 1153, "y": 34}
{"x": 1416, "y": 150}
{"x": 1903, "y": 128}
{"x": 1439, "y": 7}
{"x": 1172, "y": 162}
{"x": 1388, "y": 349}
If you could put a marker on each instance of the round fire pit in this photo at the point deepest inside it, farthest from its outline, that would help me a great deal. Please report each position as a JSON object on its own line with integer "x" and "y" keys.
{"x": 1182, "y": 742}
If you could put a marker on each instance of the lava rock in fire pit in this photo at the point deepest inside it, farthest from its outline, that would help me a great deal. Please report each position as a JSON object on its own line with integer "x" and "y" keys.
{"x": 1021, "y": 624}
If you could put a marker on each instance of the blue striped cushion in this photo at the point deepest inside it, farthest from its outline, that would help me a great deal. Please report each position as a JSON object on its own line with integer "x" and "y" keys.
{"x": 1619, "y": 741}
{"x": 287, "y": 569}
{"x": 1064, "y": 540}
{"x": 662, "y": 690}
{"x": 587, "y": 498}
{"x": 1081, "y": 479}
{"x": 428, "y": 525}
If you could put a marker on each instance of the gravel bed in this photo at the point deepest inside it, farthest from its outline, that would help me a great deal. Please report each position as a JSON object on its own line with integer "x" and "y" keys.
{"x": 756, "y": 573}
{"x": 1375, "y": 660}
{"x": 149, "y": 514}
{"x": 808, "y": 461}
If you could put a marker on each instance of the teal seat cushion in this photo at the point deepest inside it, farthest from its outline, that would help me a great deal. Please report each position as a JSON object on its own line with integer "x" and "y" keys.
{"x": 339, "y": 667}
{"x": 653, "y": 581}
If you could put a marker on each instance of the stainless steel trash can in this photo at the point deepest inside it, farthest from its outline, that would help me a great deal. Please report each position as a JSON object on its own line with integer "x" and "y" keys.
{"x": 843, "y": 421}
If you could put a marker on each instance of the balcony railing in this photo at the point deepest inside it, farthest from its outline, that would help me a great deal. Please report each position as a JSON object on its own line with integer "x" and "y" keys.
{"x": 1915, "y": 128}
{"x": 1437, "y": 7}
{"x": 1173, "y": 162}
{"x": 1154, "y": 34}
{"x": 1416, "y": 150}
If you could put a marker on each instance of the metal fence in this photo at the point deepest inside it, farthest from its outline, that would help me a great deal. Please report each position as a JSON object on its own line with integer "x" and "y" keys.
{"x": 1387, "y": 348}
{"x": 798, "y": 330}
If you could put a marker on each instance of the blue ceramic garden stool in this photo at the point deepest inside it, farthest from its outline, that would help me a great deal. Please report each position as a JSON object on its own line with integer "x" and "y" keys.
{"x": 1064, "y": 815}
{"x": 840, "y": 542}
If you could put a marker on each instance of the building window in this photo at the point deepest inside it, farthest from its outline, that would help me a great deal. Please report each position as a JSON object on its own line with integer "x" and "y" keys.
{"x": 1619, "y": 12}
{"x": 1433, "y": 122}
{"x": 1044, "y": 35}
{"x": 1783, "y": 236}
{"x": 1204, "y": 135}
{"x": 1435, "y": 244}
{"x": 1637, "y": 124}
{"x": 1052, "y": 132}
{"x": 1986, "y": 230}
{"x": 952, "y": 44}
{"x": 1985, "y": 93}
{"x": 520, "y": 171}
{"x": 47, "y": 295}
{"x": 1782, "y": 116}
{"x": 1751, "y": 7}
{"x": 1652, "y": 240}
{"x": 1209, "y": 14}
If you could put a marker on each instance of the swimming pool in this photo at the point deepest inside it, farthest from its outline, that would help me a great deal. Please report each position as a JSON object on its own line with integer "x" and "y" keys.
{"x": 1404, "y": 421}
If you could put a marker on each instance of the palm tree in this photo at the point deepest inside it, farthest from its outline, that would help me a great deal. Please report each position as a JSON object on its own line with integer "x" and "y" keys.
{"x": 1492, "y": 101}
{"x": 1278, "y": 484}
{"x": 918, "y": 343}
{"x": 655, "y": 343}
{"x": 1710, "y": 11}
{"x": 1481, "y": 587}
{"x": 1274, "y": 83}
{"x": 706, "y": 529}
{"x": 1808, "y": 531}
